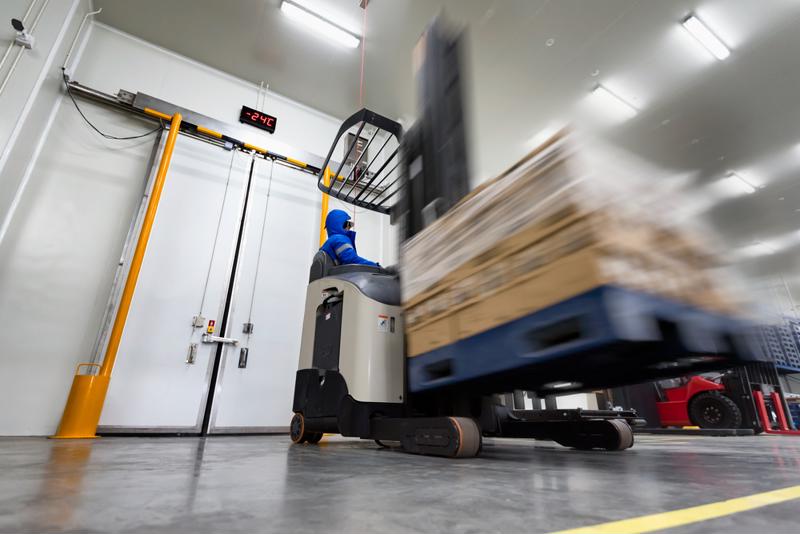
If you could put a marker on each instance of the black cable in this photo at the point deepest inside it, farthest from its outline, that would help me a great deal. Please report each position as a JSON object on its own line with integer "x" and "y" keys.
{"x": 107, "y": 136}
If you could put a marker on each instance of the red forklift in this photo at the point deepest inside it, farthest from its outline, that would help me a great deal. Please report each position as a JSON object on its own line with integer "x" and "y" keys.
{"x": 744, "y": 397}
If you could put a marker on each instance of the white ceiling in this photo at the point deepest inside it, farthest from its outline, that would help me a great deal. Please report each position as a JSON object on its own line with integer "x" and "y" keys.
{"x": 530, "y": 66}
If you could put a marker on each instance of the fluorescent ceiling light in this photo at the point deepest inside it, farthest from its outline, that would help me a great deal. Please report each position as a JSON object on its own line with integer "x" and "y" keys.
{"x": 319, "y": 25}
{"x": 757, "y": 248}
{"x": 612, "y": 102}
{"x": 706, "y": 37}
{"x": 544, "y": 134}
{"x": 562, "y": 385}
{"x": 734, "y": 185}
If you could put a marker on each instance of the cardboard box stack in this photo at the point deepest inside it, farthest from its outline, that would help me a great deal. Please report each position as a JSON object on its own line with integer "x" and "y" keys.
{"x": 551, "y": 227}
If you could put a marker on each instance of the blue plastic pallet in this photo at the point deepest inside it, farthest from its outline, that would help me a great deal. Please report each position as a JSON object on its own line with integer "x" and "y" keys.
{"x": 629, "y": 336}
{"x": 781, "y": 343}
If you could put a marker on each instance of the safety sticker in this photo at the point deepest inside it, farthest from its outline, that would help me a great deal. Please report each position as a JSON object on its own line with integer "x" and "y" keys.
{"x": 383, "y": 323}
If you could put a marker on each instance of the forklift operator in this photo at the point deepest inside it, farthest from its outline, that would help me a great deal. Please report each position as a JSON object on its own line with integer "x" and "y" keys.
{"x": 341, "y": 243}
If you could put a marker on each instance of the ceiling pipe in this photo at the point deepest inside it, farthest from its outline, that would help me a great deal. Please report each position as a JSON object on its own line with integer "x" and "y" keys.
{"x": 75, "y": 40}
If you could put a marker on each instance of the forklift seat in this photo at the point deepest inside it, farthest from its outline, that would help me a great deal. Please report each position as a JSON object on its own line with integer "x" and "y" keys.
{"x": 321, "y": 266}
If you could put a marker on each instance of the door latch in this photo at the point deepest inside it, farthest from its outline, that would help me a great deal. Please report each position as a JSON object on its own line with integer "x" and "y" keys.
{"x": 191, "y": 355}
{"x": 210, "y": 338}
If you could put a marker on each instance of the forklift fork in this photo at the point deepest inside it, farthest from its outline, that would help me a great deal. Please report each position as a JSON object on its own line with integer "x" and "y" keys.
{"x": 576, "y": 428}
{"x": 766, "y": 421}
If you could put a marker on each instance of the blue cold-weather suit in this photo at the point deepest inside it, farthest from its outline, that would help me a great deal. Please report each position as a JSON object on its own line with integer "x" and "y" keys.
{"x": 341, "y": 243}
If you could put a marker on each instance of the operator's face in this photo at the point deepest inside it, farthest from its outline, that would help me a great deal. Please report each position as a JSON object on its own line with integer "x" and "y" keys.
{"x": 349, "y": 225}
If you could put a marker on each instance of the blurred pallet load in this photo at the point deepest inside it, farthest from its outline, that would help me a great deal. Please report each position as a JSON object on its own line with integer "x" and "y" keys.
{"x": 554, "y": 226}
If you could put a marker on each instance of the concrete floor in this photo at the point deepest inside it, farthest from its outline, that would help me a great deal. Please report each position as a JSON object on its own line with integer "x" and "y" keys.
{"x": 262, "y": 483}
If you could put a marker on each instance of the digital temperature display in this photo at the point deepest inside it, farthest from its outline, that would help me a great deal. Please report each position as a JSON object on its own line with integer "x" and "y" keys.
{"x": 258, "y": 119}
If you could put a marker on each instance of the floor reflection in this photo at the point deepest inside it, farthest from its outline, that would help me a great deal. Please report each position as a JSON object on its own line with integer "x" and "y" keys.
{"x": 62, "y": 484}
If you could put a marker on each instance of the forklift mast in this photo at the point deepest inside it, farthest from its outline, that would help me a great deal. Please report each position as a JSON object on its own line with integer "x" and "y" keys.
{"x": 434, "y": 148}
{"x": 414, "y": 176}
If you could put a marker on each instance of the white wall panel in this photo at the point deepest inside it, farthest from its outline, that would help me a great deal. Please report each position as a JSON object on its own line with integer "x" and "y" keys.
{"x": 115, "y": 60}
{"x": 57, "y": 262}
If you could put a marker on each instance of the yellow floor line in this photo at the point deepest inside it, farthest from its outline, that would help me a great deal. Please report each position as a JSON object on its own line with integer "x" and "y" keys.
{"x": 676, "y": 518}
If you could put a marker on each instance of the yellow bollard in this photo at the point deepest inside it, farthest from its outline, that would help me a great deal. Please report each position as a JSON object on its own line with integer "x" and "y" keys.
{"x": 84, "y": 405}
{"x": 88, "y": 393}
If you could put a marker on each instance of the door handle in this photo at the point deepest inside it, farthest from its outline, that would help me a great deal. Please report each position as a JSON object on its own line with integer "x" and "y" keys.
{"x": 210, "y": 338}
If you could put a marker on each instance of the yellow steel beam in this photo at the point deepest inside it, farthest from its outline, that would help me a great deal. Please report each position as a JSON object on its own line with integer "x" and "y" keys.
{"x": 256, "y": 148}
{"x": 324, "y": 213}
{"x": 297, "y": 162}
{"x": 155, "y": 113}
{"x": 88, "y": 393}
{"x": 209, "y": 132}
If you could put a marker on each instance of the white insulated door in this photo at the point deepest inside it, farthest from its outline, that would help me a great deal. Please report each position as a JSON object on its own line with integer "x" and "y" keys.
{"x": 279, "y": 242}
{"x": 185, "y": 273}
{"x": 193, "y": 268}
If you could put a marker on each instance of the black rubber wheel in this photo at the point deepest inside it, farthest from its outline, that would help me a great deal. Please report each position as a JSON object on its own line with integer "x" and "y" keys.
{"x": 297, "y": 429}
{"x": 624, "y": 435}
{"x": 607, "y": 434}
{"x": 313, "y": 437}
{"x": 712, "y": 409}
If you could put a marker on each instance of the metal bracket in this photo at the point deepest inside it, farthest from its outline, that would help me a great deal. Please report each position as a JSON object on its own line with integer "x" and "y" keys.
{"x": 247, "y": 328}
{"x": 125, "y": 97}
{"x": 198, "y": 321}
{"x": 209, "y": 338}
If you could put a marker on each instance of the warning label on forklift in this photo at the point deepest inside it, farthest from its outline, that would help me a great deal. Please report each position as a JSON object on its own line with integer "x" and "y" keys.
{"x": 383, "y": 323}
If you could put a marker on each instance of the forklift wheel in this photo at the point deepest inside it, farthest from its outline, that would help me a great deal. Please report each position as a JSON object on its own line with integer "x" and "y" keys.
{"x": 712, "y": 409}
{"x": 606, "y": 434}
{"x": 469, "y": 437}
{"x": 298, "y": 433}
{"x": 313, "y": 437}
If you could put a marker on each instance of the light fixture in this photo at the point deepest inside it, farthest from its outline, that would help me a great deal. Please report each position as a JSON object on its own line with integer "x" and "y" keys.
{"x": 319, "y": 25}
{"x": 733, "y": 184}
{"x": 612, "y": 102}
{"x": 706, "y": 37}
{"x": 562, "y": 385}
{"x": 757, "y": 248}
{"x": 551, "y": 129}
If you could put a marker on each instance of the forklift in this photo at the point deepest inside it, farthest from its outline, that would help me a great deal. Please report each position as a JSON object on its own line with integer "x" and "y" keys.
{"x": 353, "y": 377}
{"x": 744, "y": 397}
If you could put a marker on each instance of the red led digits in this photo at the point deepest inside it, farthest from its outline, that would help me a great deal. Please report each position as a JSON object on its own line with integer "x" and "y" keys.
{"x": 258, "y": 119}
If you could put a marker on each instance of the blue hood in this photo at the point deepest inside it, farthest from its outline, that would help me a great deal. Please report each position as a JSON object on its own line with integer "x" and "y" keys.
{"x": 334, "y": 224}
